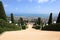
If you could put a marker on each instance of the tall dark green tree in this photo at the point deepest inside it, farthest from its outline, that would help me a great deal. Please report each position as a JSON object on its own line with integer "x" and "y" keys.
{"x": 2, "y": 12}
{"x": 20, "y": 21}
{"x": 58, "y": 18}
{"x": 50, "y": 19}
{"x": 12, "y": 18}
{"x": 39, "y": 21}
{"x": 37, "y": 24}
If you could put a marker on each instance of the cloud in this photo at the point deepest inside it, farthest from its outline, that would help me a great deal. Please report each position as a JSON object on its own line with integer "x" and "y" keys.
{"x": 42, "y": 1}
{"x": 53, "y": 1}
{"x": 19, "y": 0}
{"x": 38, "y": 6}
{"x": 39, "y": 1}
{"x": 30, "y": 0}
{"x": 5, "y": 5}
{"x": 16, "y": 9}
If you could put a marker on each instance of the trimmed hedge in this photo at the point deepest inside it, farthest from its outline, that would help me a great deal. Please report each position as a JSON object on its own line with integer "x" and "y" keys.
{"x": 23, "y": 26}
{"x": 52, "y": 27}
{"x": 5, "y": 26}
{"x": 36, "y": 26}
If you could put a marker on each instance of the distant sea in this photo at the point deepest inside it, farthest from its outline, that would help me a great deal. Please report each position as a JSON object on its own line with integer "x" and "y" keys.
{"x": 33, "y": 15}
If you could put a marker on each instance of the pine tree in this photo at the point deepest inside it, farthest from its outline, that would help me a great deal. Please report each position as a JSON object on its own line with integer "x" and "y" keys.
{"x": 12, "y": 18}
{"x": 50, "y": 19}
{"x": 58, "y": 19}
{"x": 2, "y": 12}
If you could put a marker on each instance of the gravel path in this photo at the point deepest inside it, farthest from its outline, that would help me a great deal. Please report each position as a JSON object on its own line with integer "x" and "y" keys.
{"x": 30, "y": 34}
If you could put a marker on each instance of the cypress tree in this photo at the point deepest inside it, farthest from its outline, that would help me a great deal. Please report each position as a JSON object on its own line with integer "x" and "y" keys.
{"x": 20, "y": 21}
{"x": 12, "y": 18}
{"x": 50, "y": 19}
{"x": 58, "y": 18}
{"x": 39, "y": 21}
{"x": 2, "y": 12}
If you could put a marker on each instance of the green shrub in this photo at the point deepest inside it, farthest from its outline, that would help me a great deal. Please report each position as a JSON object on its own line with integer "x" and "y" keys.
{"x": 52, "y": 27}
{"x": 36, "y": 26}
{"x": 24, "y": 27}
{"x": 5, "y": 26}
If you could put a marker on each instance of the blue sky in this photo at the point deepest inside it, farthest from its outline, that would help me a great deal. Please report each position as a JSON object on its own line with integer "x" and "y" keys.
{"x": 31, "y": 6}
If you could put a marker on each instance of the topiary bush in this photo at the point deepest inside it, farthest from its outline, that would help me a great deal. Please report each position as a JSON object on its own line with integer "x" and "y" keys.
{"x": 22, "y": 23}
{"x": 52, "y": 27}
{"x": 36, "y": 26}
{"x": 5, "y": 26}
{"x": 24, "y": 27}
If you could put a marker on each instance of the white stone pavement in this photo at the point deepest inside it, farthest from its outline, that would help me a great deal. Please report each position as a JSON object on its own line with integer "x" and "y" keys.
{"x": 30, "y": 34}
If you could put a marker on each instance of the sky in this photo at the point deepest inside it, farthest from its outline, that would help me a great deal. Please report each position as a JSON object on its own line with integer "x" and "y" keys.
{"x": 31, "y": 6}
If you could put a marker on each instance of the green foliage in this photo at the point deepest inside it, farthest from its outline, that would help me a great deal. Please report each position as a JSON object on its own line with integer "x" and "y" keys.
{"x": 5, "y": 26}
{"x": 37, "y": 24}
{"x": 50, "y": 19}
{"x": 39, "y": 21}
{"x": 20, "y": 21}
{"x": 37, "y": 27}
{"x": 52, "y": 27}
{"x": 58, "y": 19}
{"x": 2, "y": 12}
{"x": 24, "y": 27}
{"x": 12, "y": 18}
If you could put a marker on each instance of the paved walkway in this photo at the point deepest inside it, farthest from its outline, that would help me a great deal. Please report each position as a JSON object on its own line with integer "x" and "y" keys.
{"x": 30, "y": 34}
